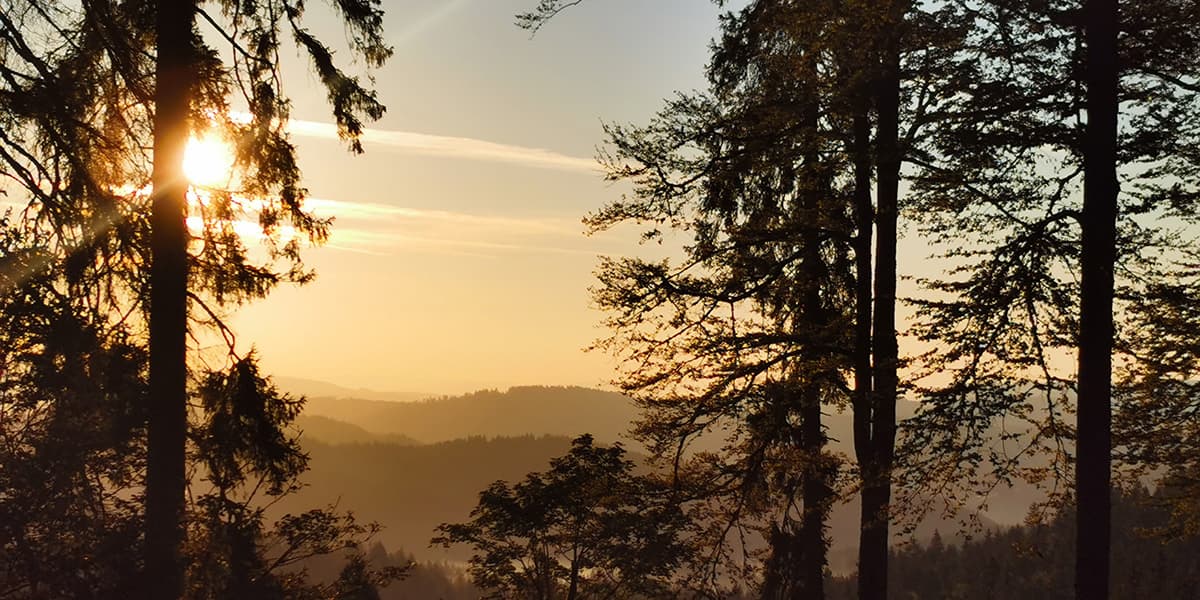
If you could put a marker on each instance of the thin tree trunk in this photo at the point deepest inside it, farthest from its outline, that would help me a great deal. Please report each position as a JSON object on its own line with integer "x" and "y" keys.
{"x": 877, "y": 487}
{"x": 864, "y": 215}
{"x": 167, "y": 413}
{"x": 1093, "y": 467}
{"x": 573, "y": 588}
{"x": 817, "y": 492}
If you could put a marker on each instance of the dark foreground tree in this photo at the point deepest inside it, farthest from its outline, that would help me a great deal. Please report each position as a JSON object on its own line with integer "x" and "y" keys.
{"x": 588, "y": 528}
{"x": 842, "y": 90}
{"x": 1075, "y": 189}
{"x": 744, "y": 341}
{"x": 97, "y": 103}
{"x": 70, "y": 519}
{"x": 250, "y": 456}
{"x": 1097, "y": 263}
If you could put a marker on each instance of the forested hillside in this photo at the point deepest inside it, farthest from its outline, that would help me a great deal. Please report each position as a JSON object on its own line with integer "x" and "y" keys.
{"x": 1035, "y": 561}
{"x": 332, "y": 431}
{"x": 410, "y": 488}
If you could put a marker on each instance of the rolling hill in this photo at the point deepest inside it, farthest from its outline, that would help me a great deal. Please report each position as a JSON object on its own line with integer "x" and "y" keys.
{"x": 414, "y": 465}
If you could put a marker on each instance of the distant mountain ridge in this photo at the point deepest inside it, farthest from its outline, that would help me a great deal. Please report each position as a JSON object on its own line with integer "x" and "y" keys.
{"x": 410, "y": 489}
{"x": 299, "y": 386}
{"x": 568, "y": 412}
{"x": 412, "y": 465}
{"x": 315, "y": 428}
{"x": 518, "y": 411}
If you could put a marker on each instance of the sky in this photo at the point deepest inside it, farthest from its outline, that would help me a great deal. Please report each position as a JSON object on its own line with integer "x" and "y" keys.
{"x": 458, "y": 260}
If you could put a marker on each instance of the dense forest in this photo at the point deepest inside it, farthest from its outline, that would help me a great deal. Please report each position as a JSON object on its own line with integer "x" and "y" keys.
{"x": 1035, "y": 561}
{"x": 794, "y": 415}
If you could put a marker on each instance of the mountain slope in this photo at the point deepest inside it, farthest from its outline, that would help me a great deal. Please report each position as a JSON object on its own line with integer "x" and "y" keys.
{"x": 298, "y": 386}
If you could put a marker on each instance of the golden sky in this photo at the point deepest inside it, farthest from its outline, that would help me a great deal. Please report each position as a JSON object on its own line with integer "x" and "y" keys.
{"x": 458, "y": 260}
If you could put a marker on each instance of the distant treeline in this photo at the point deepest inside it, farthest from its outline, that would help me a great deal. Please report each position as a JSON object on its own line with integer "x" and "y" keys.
{"x": 422, "y": 581}
{"x": 1036, "y": 561}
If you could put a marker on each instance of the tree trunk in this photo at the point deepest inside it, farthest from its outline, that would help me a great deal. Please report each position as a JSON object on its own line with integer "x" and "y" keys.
{"x": 573, "y": 588}
{"x": 817, "y": 492}
{"x": 1093, "y": 467}
{"x": 877, "y": 472}
{"x": 167, "y": 413}
{"x": 816, "y": 190}
{"x": 864, "y": 215}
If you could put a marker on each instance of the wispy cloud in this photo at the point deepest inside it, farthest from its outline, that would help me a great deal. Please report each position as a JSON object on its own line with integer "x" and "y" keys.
{"x": 384, "y": 229}
{"x": 342, "y": 209}
{"x": 452, "y": 147}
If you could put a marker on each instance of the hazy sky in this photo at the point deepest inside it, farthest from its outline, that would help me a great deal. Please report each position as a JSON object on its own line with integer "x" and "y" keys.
{"x": 458, "y": 259}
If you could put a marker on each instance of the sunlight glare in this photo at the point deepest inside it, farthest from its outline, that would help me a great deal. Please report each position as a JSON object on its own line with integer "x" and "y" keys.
{"x": 208, "y": 162}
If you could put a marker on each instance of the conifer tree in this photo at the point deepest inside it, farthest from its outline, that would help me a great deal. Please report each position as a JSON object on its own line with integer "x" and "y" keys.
{"x": 97, "y": 104}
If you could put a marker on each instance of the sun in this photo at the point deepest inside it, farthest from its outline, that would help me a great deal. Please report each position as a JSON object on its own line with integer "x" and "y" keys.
{"x": 208, "y": 162}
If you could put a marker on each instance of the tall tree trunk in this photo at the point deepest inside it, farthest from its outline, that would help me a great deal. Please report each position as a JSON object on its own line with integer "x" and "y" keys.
{"x": 167, "y": 414}
{"x": 573, "y": 588}
{"x": 864, "y": 218}
{"x": 1099, "y": 226}
{"x": 817, "y": 492}
{"x": 796, "y": 569}
{"x": 816, "y": 189}
{"x": 864, "y": 215}
{"x": 877, "y": 472}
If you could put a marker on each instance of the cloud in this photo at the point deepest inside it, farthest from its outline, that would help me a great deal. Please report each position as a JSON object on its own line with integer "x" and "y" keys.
{"x": 383, "y": 213}
{"x": 453, "y": 147}
{"x": 385, "y": 229}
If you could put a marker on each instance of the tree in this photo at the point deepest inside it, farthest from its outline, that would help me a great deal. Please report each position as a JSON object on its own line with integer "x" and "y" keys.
{"x": 72, "y": 390}
{"x": 878, "y": 70}
{"x": 1063, "y": 248}
{"x": 1097, "y": 261}
{"x": 1156, "y": 428}
{"x": 587, "y": 528}
{"x": 249, "y": 459}
{"x": 86, "y": 91}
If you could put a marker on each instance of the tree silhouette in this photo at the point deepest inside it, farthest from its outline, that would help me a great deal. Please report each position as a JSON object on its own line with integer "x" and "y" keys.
{"x": 249, "y": 458}
{"x": 588, "y": 528}
{"x": 844, "y": 90}
{"x": 747, "y": 335}
{"x": 1073, "y": 218}
{"x": 97, "y": 106}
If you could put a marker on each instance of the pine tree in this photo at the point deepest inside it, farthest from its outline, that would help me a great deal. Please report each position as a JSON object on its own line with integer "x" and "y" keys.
{"x": 85, "y": 91}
